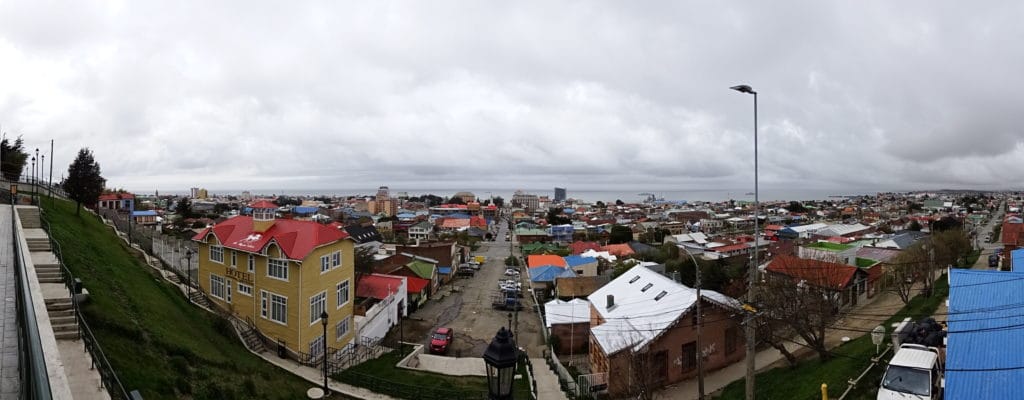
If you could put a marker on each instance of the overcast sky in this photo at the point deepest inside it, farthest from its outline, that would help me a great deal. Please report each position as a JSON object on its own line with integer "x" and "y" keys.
{"x": 590, "y": 95}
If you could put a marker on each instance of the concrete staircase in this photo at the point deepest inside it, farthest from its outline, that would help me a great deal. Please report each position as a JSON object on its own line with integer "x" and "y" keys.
{"x": 29, "y": 217}
{"x": 252, "y": 339}
{"x": 198, "y": 298}
{"x": 62, "y": 318}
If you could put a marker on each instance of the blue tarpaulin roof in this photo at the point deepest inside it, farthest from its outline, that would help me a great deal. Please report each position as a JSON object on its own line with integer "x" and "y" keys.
{"x": 985, "y": 348}
{"x": 444, "y": 270}
{"x": 545, "y": 273}
{"x": 147, "y": 213}
{"x": 1017, "y": 260}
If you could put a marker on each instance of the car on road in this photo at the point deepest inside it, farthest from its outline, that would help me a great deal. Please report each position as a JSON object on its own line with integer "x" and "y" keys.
{"x": 440, "y": 340}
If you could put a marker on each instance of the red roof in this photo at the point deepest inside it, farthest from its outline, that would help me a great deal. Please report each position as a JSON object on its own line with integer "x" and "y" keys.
{"x": 263, "y": 204}
{"x": 116, "y": 196}
{"x": 578, "y": 247}
{"x": 378, "y": 286}
{"x": 729, "y": 247}
{"x": 416, "y": 285}
{"x": 815, "y": 272}
{"x": 620, "y": 250}
{"x": 774, "y": 227}
{"x": 296, "y": 238}
{"x": 1011, "y": 233}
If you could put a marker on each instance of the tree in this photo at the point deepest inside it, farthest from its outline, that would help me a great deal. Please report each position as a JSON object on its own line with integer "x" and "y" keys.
{"x": 915, "y": 226}
{"x": 619, "y": 203}
{"x": 499, "y": 202}
{"x": 796, "y": 207}
{"x": 14, "y": 157}
{"x": 798, "y": 306}
{"x": 184, "y": 207}
{"x": 555, "y": 217}
{"x": 620, "y": 234}
{"x": 364, "y": 260}
{"x": 84, "y": 183}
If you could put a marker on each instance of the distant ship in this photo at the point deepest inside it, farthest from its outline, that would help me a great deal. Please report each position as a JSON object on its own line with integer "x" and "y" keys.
{"x": 749, "y": 194}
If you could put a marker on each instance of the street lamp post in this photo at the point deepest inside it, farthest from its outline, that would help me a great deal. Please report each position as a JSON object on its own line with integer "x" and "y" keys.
{"x": 188, "y": 272}
{"x": 500, "y": 359}
{"x": 35, "y": 176}
{"x": 323, "y": 321}
{"x": 752, "y": 274}
{"x": 32, "y": 179}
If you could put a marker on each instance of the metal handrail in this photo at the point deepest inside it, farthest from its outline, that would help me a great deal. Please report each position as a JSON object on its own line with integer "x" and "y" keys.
{"x": 34, "y": 377}
{"x": 99, "y": 359}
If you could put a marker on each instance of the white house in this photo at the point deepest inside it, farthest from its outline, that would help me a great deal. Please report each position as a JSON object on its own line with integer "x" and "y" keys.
{"x": 382, "y": 302}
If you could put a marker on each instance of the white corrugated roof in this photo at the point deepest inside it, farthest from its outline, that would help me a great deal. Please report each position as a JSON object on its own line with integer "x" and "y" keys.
{"x": 808, "y": 227}
{"x": 566, "y": 312}
{"x": 641, "y": 312}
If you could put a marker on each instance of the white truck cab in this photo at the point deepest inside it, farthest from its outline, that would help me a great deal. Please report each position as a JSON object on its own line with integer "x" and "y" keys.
{"x": 915, "y": 372}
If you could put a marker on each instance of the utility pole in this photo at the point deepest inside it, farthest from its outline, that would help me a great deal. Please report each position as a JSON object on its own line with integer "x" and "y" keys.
{"x": 931, "y": 269}
{"x": 700, "y": 321}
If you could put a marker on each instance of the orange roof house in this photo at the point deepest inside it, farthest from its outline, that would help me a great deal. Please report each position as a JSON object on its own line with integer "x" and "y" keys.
{"x": 539, "y": 260}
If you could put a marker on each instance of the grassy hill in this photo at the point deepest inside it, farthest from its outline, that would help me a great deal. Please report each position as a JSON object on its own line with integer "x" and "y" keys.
{"x": 156, "y": 341}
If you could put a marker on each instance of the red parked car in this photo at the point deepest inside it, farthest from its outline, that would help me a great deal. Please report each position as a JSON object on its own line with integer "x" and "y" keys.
{"x": 440, "y": 340}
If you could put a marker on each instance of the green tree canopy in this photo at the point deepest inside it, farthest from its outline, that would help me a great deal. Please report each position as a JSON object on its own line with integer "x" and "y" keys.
{"x": 620, "y": 234}
{"x": 84, "y": 183}
{"x": 14, "y": 157}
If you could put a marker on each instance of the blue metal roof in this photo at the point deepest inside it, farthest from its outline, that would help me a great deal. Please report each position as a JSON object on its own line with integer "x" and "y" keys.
{"x": 985, "y": 348}
{"x": 1017, "y": 260}
{"x": 304, "y": 210}
{"x": 444, "y": 270}
{"x": 573, "y": 261}
{"x": 145, "y": 213}
{"x": 545, "y": 273}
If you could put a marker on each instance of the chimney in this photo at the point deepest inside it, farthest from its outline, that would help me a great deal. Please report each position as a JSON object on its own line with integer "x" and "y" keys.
{"x": 611, "y": 302}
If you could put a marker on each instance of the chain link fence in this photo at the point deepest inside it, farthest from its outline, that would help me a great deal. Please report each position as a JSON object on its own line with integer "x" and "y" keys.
{"x": 176, "y": 254}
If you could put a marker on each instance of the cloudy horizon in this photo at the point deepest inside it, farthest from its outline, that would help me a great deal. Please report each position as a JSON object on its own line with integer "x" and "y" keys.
{"x": 588, "y": 95}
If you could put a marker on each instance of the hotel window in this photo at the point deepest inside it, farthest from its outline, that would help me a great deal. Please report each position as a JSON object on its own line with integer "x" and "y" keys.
{"x": 316, "y": 347}
{"x": 316, "y": 307}
{"x": 325, "y": 264}
{"x": 234, "y": 255}
{"x": 274, "y": 307}
{"x": 252, "y": 263}
{"x": 336, "y": 259}
{"x": 342, "y": 291}
{"x": 245, "y": 289}
{"x": 341, "y": 329}
{"x": 217, "y": 254}
{"x": 277, "y": 268}
{"x": 217, "y": 286}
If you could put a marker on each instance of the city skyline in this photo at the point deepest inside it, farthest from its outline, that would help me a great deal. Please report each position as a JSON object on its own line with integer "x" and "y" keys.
{"x": 587, "y": 95}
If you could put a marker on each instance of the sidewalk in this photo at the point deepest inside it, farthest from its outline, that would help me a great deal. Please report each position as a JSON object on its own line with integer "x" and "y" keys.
{"x": 885, "y": 303}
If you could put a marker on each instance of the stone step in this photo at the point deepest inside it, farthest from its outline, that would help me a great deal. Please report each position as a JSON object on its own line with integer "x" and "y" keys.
{"x": 47, "y": 274}
{"x": 58, "y": 304}
{"x": 51, "y": 279}
{"x": 63, "y": 320}
{"x": 66, "y": 335}
{"x": 72, "y": 327}
{"x": 62, "y": 313}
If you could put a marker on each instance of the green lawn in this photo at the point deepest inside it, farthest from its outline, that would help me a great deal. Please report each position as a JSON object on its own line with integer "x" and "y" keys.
{"x": 865, "y": 262}
{"x": 157, "y": 342}
{"x": 829, "y": 246}
{"x": 804, "y": 381}
{"x": 381, "y": 375}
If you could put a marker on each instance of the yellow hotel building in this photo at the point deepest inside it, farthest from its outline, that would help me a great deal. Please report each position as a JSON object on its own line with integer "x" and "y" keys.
{"x": 281, "y": 274}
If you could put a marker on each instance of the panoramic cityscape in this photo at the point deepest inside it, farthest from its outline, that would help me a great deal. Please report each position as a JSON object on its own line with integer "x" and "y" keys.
{"x": 581, "y": 200}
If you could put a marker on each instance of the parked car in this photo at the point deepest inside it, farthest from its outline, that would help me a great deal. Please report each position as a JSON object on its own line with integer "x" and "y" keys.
{"x": 915, "y": 372}
{"x": 440, "y": 340}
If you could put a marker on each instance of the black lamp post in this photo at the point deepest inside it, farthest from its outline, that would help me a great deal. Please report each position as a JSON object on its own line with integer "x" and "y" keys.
{"x": 323, "y": 321}
{"x": 752, "y": 274}
{"x": 188, "y": 272}
{"x": 500, "y": 358}
{"x": 32, "y": 179}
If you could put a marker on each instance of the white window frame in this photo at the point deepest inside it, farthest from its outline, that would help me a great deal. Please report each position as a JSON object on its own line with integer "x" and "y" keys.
{"x": 234, "y": 259}
{"x": 244, "y": 289}
{"x": 219, "y": 252}
{"x": 343, "y": 323}
{"x": 347, "y": 290}
{"x": 217, "y": 281}
{"x": 284, "y": 268}
{"x": 267, "y": 300}
{"x": 252, "y": 263}
{"x": 325, "y": 263}
{"x": 316, "y": 347}
{"x": 317, "y": 305}
{"x": 336, "y": 259}
{"x": 227, "y": 288}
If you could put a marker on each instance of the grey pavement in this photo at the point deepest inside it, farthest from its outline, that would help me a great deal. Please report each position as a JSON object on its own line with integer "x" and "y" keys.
{"x": 456, "y": 366}
{"x": 547, "y": 381}
{"x": 9, "y": 384}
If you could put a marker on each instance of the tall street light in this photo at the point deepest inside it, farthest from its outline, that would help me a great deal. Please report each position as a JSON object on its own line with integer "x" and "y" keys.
{"x": 188, "y": 271}
{"x": 323, "y": 321}
{"x": 752, "y": 274}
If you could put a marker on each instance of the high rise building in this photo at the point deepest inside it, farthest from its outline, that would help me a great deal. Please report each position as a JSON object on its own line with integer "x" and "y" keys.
{"x": 559, "y": 194}
{"x": 383, "y": 203}
{"x": 525, "y": 200}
